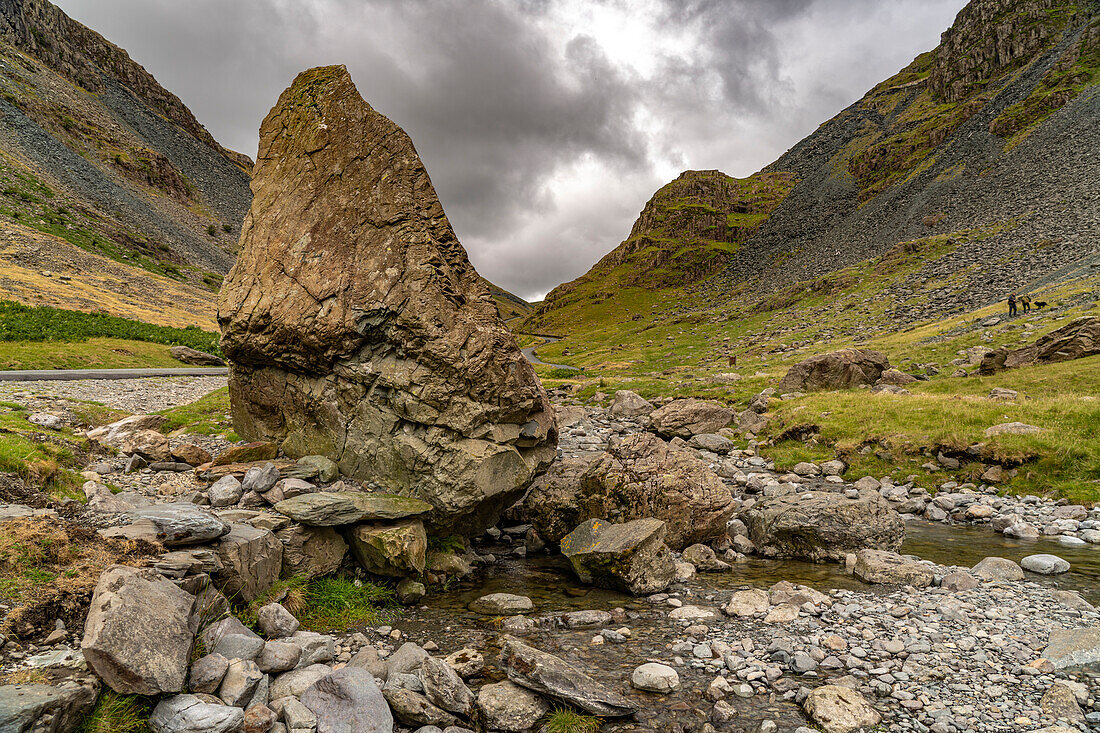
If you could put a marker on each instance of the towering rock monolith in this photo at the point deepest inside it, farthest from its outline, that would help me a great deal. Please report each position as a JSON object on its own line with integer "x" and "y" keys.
{"x": 356, "y": 327}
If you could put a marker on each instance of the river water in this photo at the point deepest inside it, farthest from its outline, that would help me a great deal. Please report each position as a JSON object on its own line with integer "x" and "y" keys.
{"x": 550, "y": 583}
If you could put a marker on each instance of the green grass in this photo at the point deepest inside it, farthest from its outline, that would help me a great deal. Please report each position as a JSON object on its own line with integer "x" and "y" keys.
{"x": 951, "y": 414}
{"x": 115, "y": 713}
{"x": 22, "y": 323}
{"x": 327, "y": 604}
{"x": 47, "y": 465}
{"x": 567, "y": 720}
{"x": 207, "y": 415}
{"x": 92, "y": 353}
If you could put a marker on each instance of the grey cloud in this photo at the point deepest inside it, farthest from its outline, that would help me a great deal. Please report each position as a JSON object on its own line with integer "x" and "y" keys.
{"x": 542, "y": 144}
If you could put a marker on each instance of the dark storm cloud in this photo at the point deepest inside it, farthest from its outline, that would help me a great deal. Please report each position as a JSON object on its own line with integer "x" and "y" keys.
{"x": 544, "y": 125}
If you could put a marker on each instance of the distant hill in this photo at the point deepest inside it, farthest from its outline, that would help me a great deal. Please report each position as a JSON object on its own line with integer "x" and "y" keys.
{"x": 980, "y": 158}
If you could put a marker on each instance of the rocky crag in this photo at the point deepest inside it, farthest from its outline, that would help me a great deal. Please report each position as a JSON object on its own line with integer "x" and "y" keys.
{"x": 986, "y": 142}
{"x": 96, "y": 152}
{"x": 356, "y": 327}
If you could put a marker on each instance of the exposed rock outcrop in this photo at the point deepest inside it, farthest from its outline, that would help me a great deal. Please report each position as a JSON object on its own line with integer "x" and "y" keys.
{"x": 842, "y": 369}
{"x": 641, "y": 477}
{"x": 1075, "y": 340}
{"x": 355, "y": 326}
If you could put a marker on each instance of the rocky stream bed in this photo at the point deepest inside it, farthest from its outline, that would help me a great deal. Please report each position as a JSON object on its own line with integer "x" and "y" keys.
{"x": 738, "y": 641}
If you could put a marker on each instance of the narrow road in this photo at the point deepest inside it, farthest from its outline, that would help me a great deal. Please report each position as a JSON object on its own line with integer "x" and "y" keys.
{"x": 36, "y": 375}
{"x": 529, "y": 352}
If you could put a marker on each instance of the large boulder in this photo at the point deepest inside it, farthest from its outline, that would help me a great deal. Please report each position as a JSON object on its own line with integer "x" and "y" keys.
{"x": 310, "y": 551}
{"x": 396, "y": 550}
{"x": 821, "y": 525}
{"x": 195, "y": 357}
{"x": 252, "y": 559}
{"x": 546, "y": 674}
{"x": 837, "y": 709}
{"x": 641, "y": 477}
{"x": 631, "y": 557}
{"x": 1077, "y": 339}
{"x": 842, "y": 369}
{"x": 355, "y": 326}
{"x": 139, "y": 631}
{"x": 688, "y": 417}
{"x": 348, "y": 700}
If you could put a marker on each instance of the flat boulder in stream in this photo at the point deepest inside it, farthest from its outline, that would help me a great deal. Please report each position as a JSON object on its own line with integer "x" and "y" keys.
{"x": 630, "y": 557}
{"x": 548, "y": 675}
{"x": 822, "y": 525}
{"x": 335, "y": 508}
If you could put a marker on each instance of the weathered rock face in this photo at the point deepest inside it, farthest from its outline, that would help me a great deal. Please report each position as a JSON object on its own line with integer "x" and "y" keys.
{"x": 355, "y": 326}
{"x": 631, "y": 557}
{"x": 820, "y": 525}
{"x": 1077, "y": 339}
{"x": 138, "y": 633}
{"x": 842, "y": 369}
{"x": 642, "y": 477}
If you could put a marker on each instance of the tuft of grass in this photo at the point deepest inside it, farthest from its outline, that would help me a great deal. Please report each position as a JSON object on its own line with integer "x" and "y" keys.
{"x": 326, "y": 604}
{"x": 567, "y": 720}
{"x": 115, "y": 713}
{"x": 208, "y": 415}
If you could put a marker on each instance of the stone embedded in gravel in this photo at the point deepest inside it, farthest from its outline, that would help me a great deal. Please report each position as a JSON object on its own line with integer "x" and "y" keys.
{"x": 252, "y": 559}
{"x": 630, "y": 557}
{"x": 395, "y": 550}
{"x": 1012, "y": 428}
{"x": 654, "y": 677}
{"x": 189, "y": 714}
{"x": 261, "y": 478}
{"x": 226, "y": 491}
{"x": 334, "y": 508}
{"x": 998, "y": 568}
{"x": 546, "y": 674}
{"x": 629, "y": 405}
{"x": 278, "y": 656}
{"x": 837, "y": 709}
{"x": 182, "y": 524}
{"x": 1073, "y": 647}
{"x": 239, "y": 682}
{"x": 239, "y": 646}
{"x": 348, "y": 700}
{"x": 509, "y": 707}
{"x": 747, "y": 603}
{"x": 444, "y": 688}
{"x": 586, "y": 618}
{"x": 1060, "y": 703}
{"x": 467, "y": 662}
{"x": 688, "y": 417}
{"x": 501, "y": 604}
{"x": 877, "y": 566}
{"x": 138, "y": 634}
{"x": 1045, "y": 564}
{"x": 413, "y": 709}
{"x": 276, "y": 622}
{"x": 206, "y": 673}
{"x": 297, "y": 681}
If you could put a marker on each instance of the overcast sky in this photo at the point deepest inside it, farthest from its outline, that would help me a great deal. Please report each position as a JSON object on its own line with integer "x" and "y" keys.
{"x": 545, "y": 124}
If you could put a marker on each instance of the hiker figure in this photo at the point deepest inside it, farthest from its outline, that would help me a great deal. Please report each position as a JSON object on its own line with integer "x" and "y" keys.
{"x": 1026, "y": 300}
{"x": 1011, "y": 304}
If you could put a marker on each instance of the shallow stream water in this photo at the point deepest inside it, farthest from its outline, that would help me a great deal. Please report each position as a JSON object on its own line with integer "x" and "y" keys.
{"x": 549, "y": 582}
